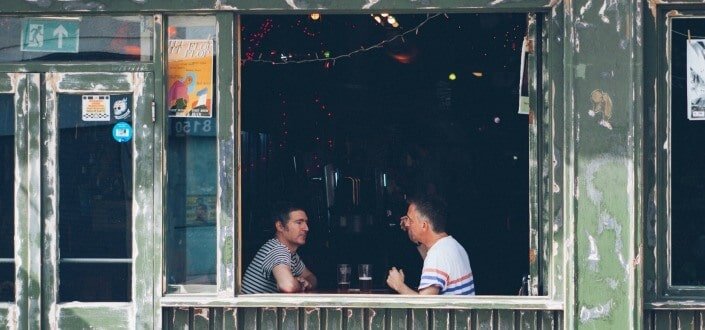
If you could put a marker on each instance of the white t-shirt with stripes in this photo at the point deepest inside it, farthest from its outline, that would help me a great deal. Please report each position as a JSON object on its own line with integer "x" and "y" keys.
{"x": 259, "y": 277}
{"x": 447, "y": 266}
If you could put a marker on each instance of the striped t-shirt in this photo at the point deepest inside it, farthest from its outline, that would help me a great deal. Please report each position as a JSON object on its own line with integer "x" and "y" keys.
{"x": 447, "y": 266}
{"x": 259, "y": 277}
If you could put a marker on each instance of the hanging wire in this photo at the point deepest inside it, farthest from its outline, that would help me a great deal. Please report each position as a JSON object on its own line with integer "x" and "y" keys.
{"x": 350, "y": 54}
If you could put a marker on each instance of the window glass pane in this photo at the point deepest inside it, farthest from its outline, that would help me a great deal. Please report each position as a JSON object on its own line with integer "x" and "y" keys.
{"x": 348, "y": 137}
{"x": 88, "y": 282}
{"x": 95, "y": 190}
{"x": 7, "y": 199}
{"x": 101, "y": 38}
{"x": 191, "y": 151}
{"x": 687, "y": 156}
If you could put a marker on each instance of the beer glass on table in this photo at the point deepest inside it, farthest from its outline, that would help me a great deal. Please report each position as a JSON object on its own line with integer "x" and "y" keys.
{"x": 364, "y": 275}
{"x": 344, "y": 271}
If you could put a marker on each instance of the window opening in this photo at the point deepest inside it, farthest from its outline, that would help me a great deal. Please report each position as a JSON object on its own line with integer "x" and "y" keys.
{"x": 687, "y": 181}
{"x": 348, "y": 126}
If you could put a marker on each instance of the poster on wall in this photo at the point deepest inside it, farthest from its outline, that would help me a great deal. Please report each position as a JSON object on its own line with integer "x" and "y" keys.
{"x": 190, "y": 78}
{"x": 696, "y": 79}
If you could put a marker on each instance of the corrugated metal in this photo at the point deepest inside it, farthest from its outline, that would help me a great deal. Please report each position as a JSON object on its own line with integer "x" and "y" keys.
{"x": 358, "y": 318}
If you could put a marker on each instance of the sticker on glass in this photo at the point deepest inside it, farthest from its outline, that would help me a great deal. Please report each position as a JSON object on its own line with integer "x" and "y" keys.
{"x": 121, "y": 110}
{"x": 122, "y": 132}
{"x": 95, "y": 108}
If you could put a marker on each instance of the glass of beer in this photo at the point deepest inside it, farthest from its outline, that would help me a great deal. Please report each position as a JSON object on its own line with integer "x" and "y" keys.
{"x": 344, "y": 271}
{"x": 364, "y": 275}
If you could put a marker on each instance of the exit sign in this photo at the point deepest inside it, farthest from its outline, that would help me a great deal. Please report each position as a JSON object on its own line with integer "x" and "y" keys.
{"x": 50, "y": 35}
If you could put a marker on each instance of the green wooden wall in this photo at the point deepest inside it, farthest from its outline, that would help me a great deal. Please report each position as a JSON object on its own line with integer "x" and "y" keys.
{"x": 358, "y": 318}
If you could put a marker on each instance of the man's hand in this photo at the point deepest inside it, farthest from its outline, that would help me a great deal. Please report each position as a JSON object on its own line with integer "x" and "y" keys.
{"x": 403, "y": 222}
{"x": 395, "y": 279}
{"x": 305, "y": 285}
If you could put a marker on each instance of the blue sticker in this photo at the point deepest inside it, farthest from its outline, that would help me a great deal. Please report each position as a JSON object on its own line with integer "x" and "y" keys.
{"x": 122, "y": 132}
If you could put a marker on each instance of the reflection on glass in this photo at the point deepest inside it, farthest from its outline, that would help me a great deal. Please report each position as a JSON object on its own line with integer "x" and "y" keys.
{"x": 95, "y": 197}
{"x": 7, "y": 200}
{"x": 687, "y": 161}
{"x": 191, "y": 151}
{"x": 127, "y": 38}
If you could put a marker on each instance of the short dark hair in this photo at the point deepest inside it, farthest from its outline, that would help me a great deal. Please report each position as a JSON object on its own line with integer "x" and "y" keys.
{"x": 434, "y": 209}
{"x": 281, "y": 210}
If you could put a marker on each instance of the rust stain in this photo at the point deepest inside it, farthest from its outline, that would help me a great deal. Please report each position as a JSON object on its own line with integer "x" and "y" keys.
{"x": 532, "y": 256}
{"x": 652, "y": 6}
{"x": 601, "y": 105}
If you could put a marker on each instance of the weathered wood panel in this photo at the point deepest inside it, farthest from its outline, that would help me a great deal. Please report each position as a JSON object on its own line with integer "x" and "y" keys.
{"x": 680, "y": 319}
{"x": 365, "y": 318}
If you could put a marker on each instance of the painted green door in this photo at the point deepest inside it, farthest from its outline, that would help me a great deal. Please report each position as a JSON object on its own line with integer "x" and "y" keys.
{"x": 97, "y": 200}
{"x": 19, "y": 221}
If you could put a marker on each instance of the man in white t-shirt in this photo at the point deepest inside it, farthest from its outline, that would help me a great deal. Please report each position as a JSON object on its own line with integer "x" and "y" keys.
{"x": 446, "y": 267}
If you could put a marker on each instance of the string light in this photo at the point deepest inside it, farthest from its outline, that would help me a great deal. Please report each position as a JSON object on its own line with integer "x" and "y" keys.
{"x": 315, "y": 16}
{"x": 328, "y": 60}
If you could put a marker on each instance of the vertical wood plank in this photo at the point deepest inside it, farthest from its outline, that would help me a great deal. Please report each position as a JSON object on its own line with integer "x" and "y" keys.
{"x": 527, "y": 320}
{"x": 398, "y": 318}
{"x": 662, "y": 320}
{"x": 312, "y": 319}
{"x": 355, "y": 318}
{"x": 547, "y": 320}
{"x": 462, "y": 319}
{"x": 217, "y": 319}
{"x": 167, "y": 317}
{"x": 484, "y": 319}
{"x": 334, "y": 318}
{"x": 229, "y": 318}
{"x": 505, "y": 319}
{"x": 247, "y": 318}
{"x": 685, "y": 320}
{"x": 269, "y": 318}
{"x": 181, "y": 319}
{"x": 376, "y": 318}
{"x": 201, "y": 318}
{"x": 289, "y": 318}
{"x": 440, "y": 319}
{"x": 701, "y": 321}
{"x": 419, "y": 318}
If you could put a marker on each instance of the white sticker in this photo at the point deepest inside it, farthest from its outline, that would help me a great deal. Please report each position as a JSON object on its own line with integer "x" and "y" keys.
{"x": 96, "y": 108}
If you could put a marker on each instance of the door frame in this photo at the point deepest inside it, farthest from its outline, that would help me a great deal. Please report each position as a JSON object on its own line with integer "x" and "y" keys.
{"x": 114, "y": 314}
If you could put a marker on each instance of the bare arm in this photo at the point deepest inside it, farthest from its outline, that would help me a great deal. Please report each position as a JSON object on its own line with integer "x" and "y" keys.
{"x": 395, "y": 280}
{"x": 310, "y": 278}
{"x": 286, "y": 282}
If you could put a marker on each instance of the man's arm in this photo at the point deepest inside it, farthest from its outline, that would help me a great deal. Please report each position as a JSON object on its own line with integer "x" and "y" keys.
{"x": 395, "y": 280}
{"x": 310, "y": 278}
{"x": 286, "y": 282}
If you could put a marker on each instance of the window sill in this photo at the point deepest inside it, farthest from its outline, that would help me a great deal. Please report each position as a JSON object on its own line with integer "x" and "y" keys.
{"x": 363, "y": 301}
{"x": 675, "y": 303}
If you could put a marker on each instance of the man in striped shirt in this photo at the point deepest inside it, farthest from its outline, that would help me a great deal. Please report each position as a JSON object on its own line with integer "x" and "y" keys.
{"x": 446, "y": 267}
{"x": 276, "y": 266}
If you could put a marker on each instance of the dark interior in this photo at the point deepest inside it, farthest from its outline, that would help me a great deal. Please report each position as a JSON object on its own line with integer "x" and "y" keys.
{"x": 389, "y": 122}
{"x": 687, "y": 162}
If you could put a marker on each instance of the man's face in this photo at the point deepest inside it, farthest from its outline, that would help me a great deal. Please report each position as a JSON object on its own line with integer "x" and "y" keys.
{"x": 296, "y": 229}
{"x": 412, "y": 223}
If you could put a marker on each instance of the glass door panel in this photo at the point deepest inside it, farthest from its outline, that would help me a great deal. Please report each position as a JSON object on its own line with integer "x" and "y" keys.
{"x": 98, "y": 199}
{"x": 7, "y": 198}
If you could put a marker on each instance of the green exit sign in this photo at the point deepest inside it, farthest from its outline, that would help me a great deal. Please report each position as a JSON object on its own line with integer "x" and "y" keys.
{"x": 50, "y": 35}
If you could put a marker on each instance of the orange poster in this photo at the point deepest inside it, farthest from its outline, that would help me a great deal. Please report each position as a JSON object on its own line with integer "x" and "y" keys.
{"x": 190, "y": 78}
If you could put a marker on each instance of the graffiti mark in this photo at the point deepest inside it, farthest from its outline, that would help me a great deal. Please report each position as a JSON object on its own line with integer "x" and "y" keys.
{"x": 590, "y": 314}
